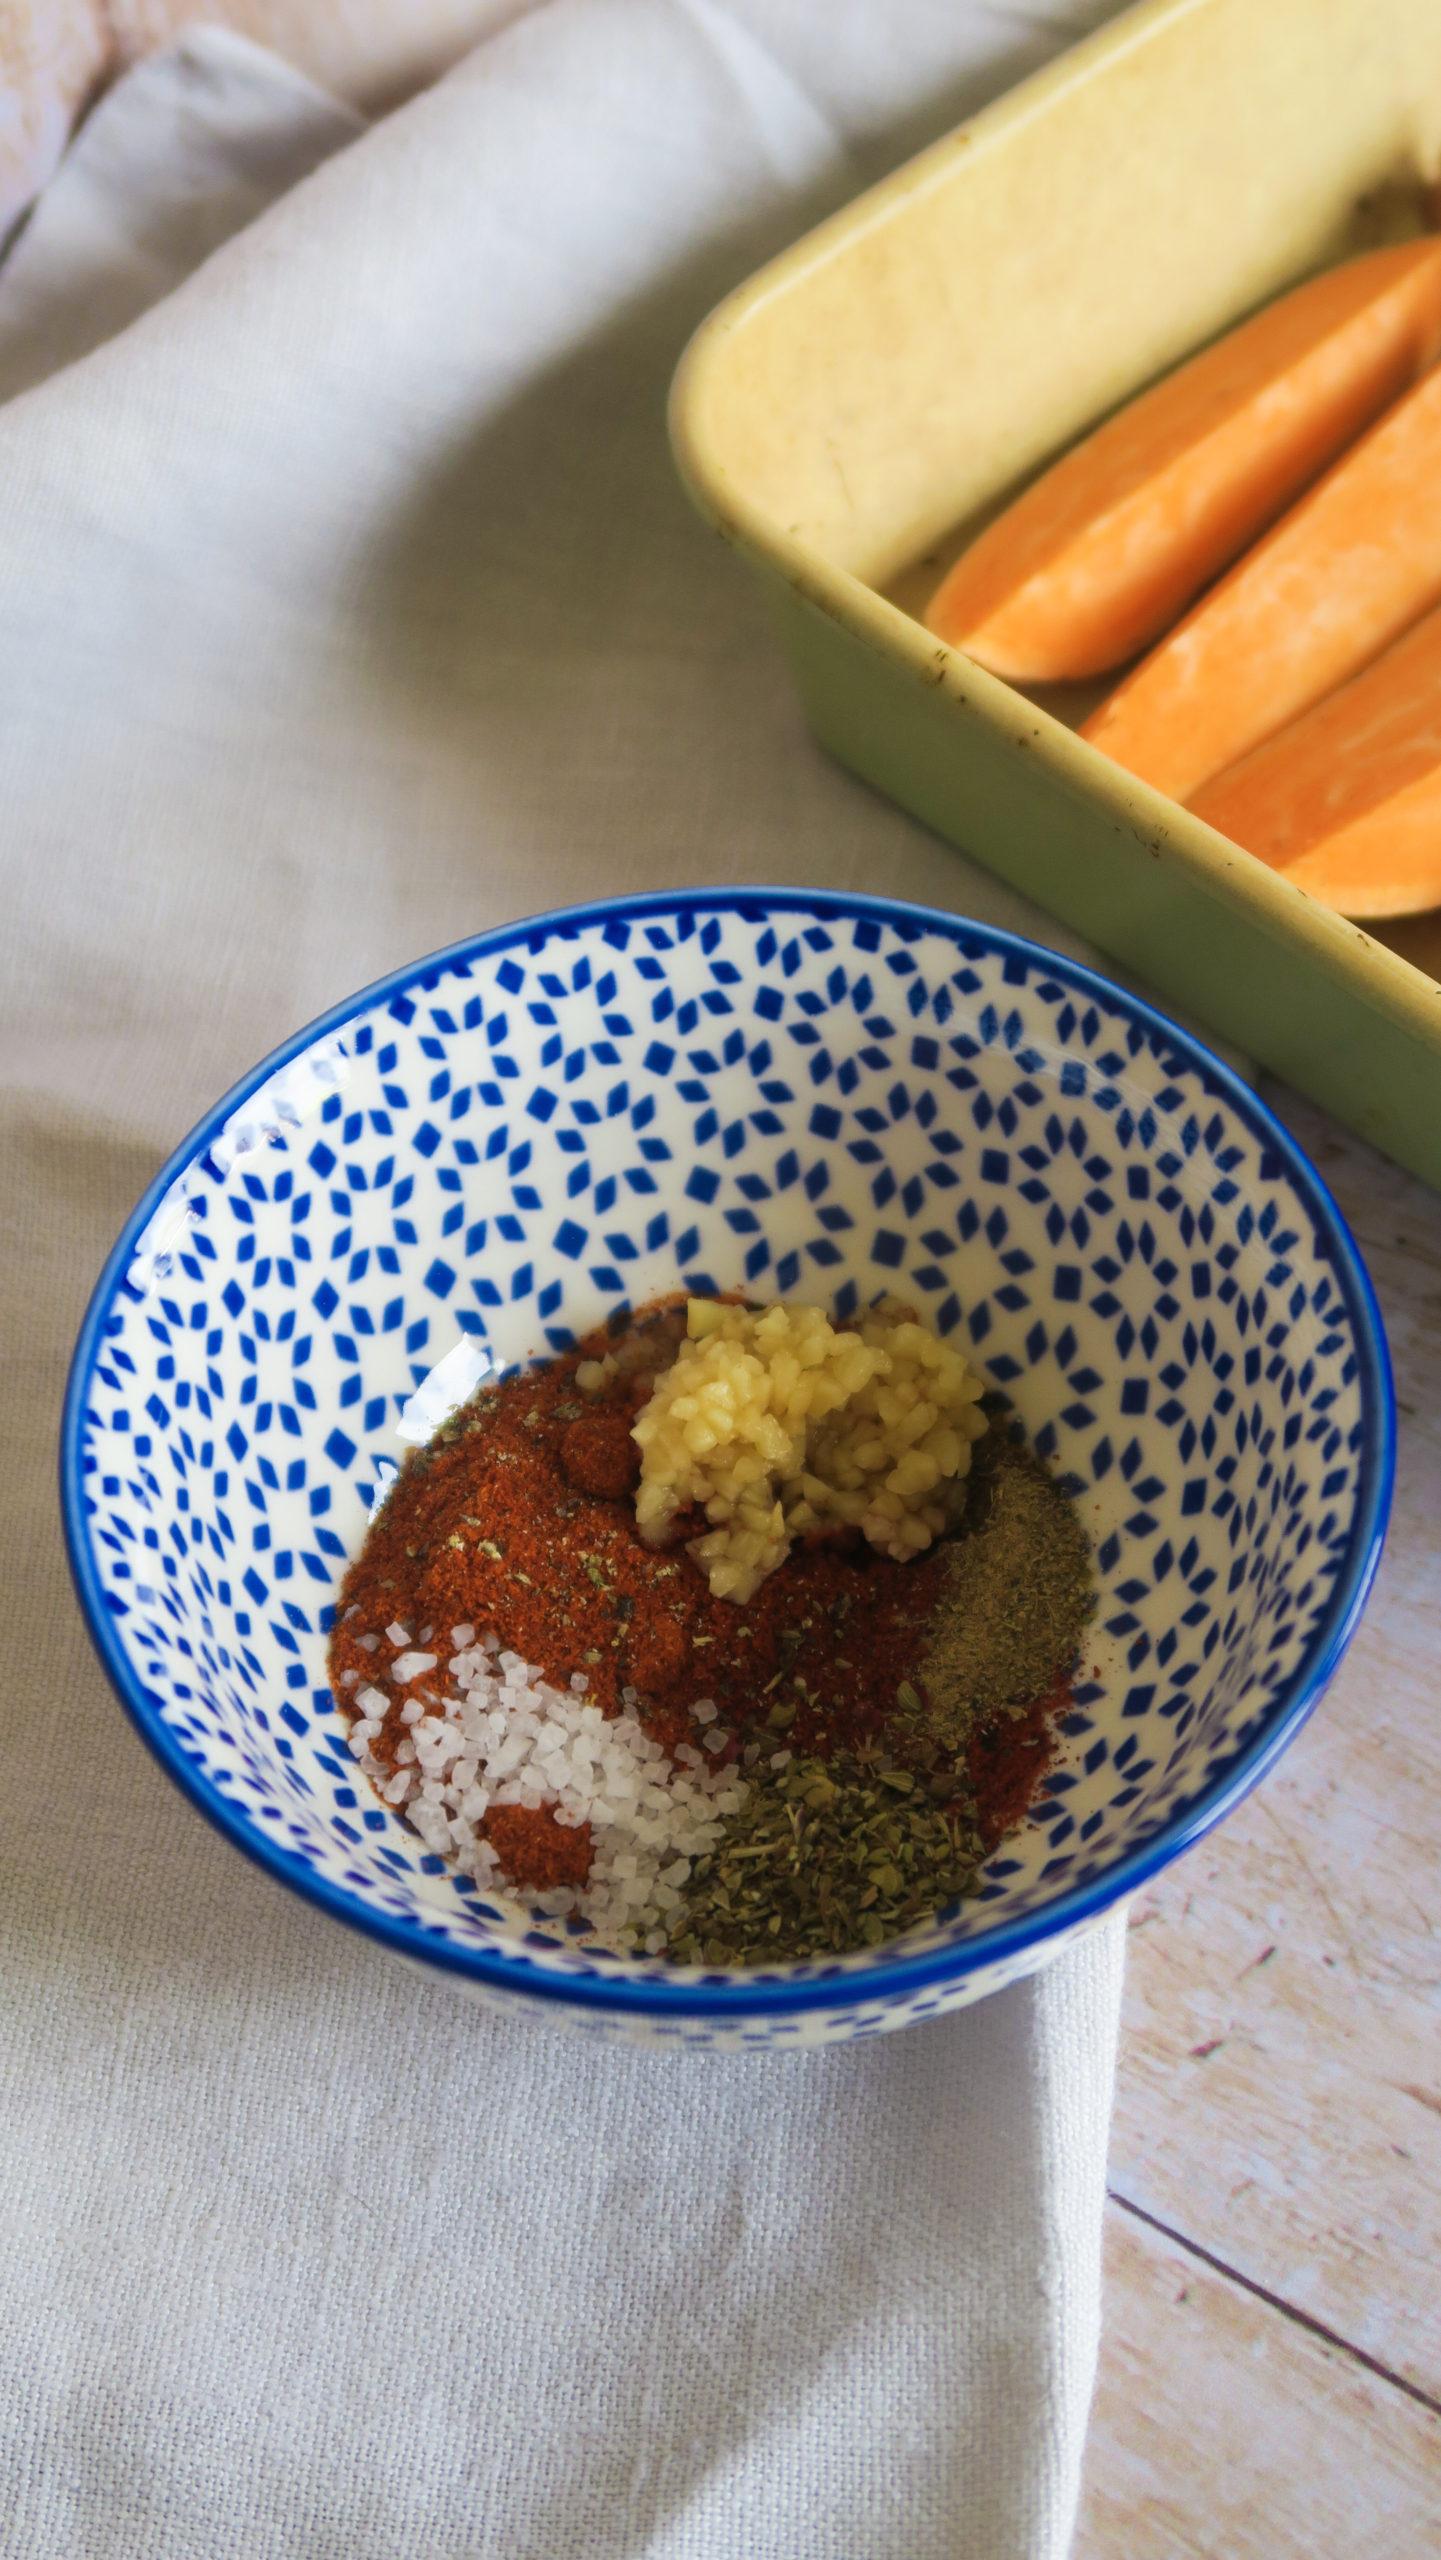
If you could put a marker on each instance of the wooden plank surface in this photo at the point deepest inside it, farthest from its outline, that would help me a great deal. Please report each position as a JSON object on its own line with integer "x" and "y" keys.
{"x": 1223, "y": 2429}
{"x": 1279, "y": 2101}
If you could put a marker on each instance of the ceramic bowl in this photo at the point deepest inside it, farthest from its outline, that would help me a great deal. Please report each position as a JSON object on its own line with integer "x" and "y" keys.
{"x": 826, "y": 1097}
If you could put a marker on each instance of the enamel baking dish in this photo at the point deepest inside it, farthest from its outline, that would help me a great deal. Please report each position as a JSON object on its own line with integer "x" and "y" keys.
{"x": 859, "y": 407}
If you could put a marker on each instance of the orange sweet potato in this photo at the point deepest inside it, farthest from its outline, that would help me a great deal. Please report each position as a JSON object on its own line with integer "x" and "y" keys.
{"x": 1102, "y": 553}
{"x": 1354, "y": 564}
{"x": 1347, "y": 800}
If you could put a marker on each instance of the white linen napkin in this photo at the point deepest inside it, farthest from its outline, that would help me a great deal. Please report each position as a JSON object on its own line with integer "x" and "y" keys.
{"x": 173, "y": 161}
{"x": 347, "y": 604}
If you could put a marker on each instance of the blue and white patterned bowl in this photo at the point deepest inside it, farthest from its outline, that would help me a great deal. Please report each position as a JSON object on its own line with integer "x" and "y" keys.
{"x": 829, "y": 1097}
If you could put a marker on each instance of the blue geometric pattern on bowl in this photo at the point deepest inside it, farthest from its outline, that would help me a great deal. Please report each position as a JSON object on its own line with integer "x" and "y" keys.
{"x": 808, "y": 1095}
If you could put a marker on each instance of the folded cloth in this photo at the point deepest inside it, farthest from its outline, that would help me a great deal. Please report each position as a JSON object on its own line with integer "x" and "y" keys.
{"x": 348, "y": 604}
{"x": 179, "y": 156}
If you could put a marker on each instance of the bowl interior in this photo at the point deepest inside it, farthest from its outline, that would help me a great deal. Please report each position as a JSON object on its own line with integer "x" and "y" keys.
{"x": 825, "y": 1098}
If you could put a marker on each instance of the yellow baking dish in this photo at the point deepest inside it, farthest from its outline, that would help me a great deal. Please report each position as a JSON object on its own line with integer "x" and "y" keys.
{"x": 858, "y": 407}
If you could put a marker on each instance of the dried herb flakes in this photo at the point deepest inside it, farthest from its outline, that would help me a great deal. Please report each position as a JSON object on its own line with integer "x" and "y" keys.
{"x": 827, "y": 1856}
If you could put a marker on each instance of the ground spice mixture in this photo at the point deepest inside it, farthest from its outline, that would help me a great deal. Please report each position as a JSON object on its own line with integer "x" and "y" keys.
{"x": 571, "y": 1712}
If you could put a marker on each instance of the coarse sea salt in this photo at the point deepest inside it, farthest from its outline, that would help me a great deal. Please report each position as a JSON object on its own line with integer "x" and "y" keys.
{"x": 409, "y": 1666}
{"x": 504, "y": 1736}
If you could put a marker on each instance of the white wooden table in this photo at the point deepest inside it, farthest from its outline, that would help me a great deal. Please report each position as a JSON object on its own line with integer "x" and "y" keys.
{"x": 1271, "y": 2371}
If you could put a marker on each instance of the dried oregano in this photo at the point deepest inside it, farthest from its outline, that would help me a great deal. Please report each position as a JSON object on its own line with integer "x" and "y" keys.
{"x": 826, "y": 1856}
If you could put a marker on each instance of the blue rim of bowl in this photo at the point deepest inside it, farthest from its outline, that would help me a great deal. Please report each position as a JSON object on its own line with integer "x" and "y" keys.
{"x": 820, "y": 1991}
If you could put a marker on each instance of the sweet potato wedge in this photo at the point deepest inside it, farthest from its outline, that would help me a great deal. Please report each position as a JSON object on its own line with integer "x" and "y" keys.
{"x": 1101, "y": 554}
{"x": 1352, "y": 566}
{"x": 1347, "y": 799}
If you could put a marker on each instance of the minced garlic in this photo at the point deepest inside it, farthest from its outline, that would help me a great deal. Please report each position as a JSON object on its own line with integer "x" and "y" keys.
{"x": 778, "y": 1422}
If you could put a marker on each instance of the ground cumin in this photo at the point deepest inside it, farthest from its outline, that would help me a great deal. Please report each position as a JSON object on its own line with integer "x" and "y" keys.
{"x": 1012, "y": 1598}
